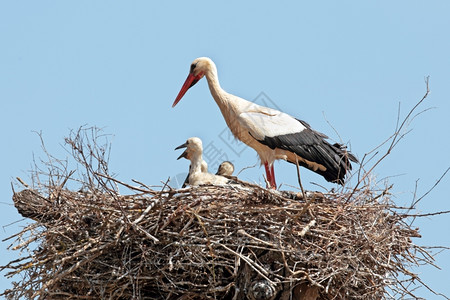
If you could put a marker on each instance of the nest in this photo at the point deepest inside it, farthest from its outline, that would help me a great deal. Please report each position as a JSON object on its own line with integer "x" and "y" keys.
{"x": 237, "y": 241}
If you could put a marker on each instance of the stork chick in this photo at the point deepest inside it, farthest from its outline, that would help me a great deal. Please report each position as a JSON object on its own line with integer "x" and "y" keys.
{"x": 194, "y": 152}
{"x": 204, "y": 169}
{"x": 225, "y": 169}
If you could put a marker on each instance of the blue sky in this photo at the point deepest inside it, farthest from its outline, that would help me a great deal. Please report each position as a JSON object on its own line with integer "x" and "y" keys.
{"x": 120, "y": 65}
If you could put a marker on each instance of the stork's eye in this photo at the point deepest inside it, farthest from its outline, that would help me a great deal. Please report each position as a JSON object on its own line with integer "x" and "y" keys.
{"x": 193, "y": 67}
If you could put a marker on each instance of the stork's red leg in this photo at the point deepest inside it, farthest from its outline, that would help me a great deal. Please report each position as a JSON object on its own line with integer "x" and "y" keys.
{"x": 268, "y": 174}
{"x": 273, "y": 183}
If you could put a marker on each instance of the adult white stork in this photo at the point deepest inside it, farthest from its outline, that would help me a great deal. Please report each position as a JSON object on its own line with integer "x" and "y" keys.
{"x": 273, "y": 134}
{"x": 197, "y": 176}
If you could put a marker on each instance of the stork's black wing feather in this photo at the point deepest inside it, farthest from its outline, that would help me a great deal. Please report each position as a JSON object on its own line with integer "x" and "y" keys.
{"x": 311, "y": 145}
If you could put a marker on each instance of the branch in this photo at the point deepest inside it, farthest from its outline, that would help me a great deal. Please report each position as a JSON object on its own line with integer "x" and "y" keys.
{"x": 396, "y": 137}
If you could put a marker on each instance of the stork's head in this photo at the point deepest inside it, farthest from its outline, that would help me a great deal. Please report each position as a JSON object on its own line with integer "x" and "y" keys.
{"x": 193, "y": 147}
{"x": 199, "y": 67}
{"x": 225, "y": 168}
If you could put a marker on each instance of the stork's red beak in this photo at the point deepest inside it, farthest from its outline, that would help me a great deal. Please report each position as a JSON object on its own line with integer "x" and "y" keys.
{"x": 190, "y": 81}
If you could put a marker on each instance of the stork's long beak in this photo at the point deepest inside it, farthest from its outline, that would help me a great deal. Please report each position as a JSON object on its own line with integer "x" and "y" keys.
{"x": 181, "y": 146}
{"x": 191, "y": 80}
{"x": 184, "y": 154}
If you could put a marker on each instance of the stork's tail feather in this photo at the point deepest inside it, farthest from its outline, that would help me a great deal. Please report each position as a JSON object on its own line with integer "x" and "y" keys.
{"x": 342, "y": 151}
{"x": 334, "y": 158}
{"x": 343, "y": 161}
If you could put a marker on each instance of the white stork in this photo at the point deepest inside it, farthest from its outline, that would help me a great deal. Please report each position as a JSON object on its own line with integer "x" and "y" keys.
{"x": 193, "y": 152}
{"x": 204, "y": 168}
{"x": 225, "y": 169}
{"x": 273, "y": 134}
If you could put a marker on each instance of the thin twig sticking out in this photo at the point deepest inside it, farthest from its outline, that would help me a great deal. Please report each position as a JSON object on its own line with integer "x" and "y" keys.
{"x": 310, "y": 200}
{"x": 125, "y": 184}
{"x": 298, "y": 176}
{"x": 396, "y": 137}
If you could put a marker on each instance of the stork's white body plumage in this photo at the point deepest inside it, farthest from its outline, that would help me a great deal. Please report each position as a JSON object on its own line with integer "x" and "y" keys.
{"x": 204, "y": 169}
{"x": 273, "y": 134}
{"x": 198, "y": 178}
{"x": 197, "y": 173}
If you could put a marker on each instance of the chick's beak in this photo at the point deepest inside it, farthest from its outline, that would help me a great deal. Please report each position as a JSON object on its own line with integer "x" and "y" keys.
{"x": 184, "y": 154}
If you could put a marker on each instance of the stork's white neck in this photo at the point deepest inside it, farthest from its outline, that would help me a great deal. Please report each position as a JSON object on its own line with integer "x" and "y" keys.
{"x": 196, "y": 163}
{"x": 228, "y": 104}
{"x": 217, "y": 92}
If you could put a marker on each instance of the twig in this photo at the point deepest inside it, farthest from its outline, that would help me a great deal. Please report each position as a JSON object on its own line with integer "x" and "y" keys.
{"x": 305, "y": 207}
{"x": 432, "y": 188}
{"x": 241, "y": 231}
{"x": 395, "y": 137}
{"x": 245, "y": 168}
{"x": 147, "y": 191}
{"x": 260, "y": 270}
{"x": 428, "y": 214}
{"x": 22, "y": 182}
{"x": 298, "y": 177}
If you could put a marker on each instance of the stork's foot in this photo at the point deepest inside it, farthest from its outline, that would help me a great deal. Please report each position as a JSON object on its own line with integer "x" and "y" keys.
{"x": 269, "y": 186}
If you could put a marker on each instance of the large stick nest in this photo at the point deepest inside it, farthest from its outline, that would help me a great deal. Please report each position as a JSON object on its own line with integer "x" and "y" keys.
{"x": 237, "y": 241}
